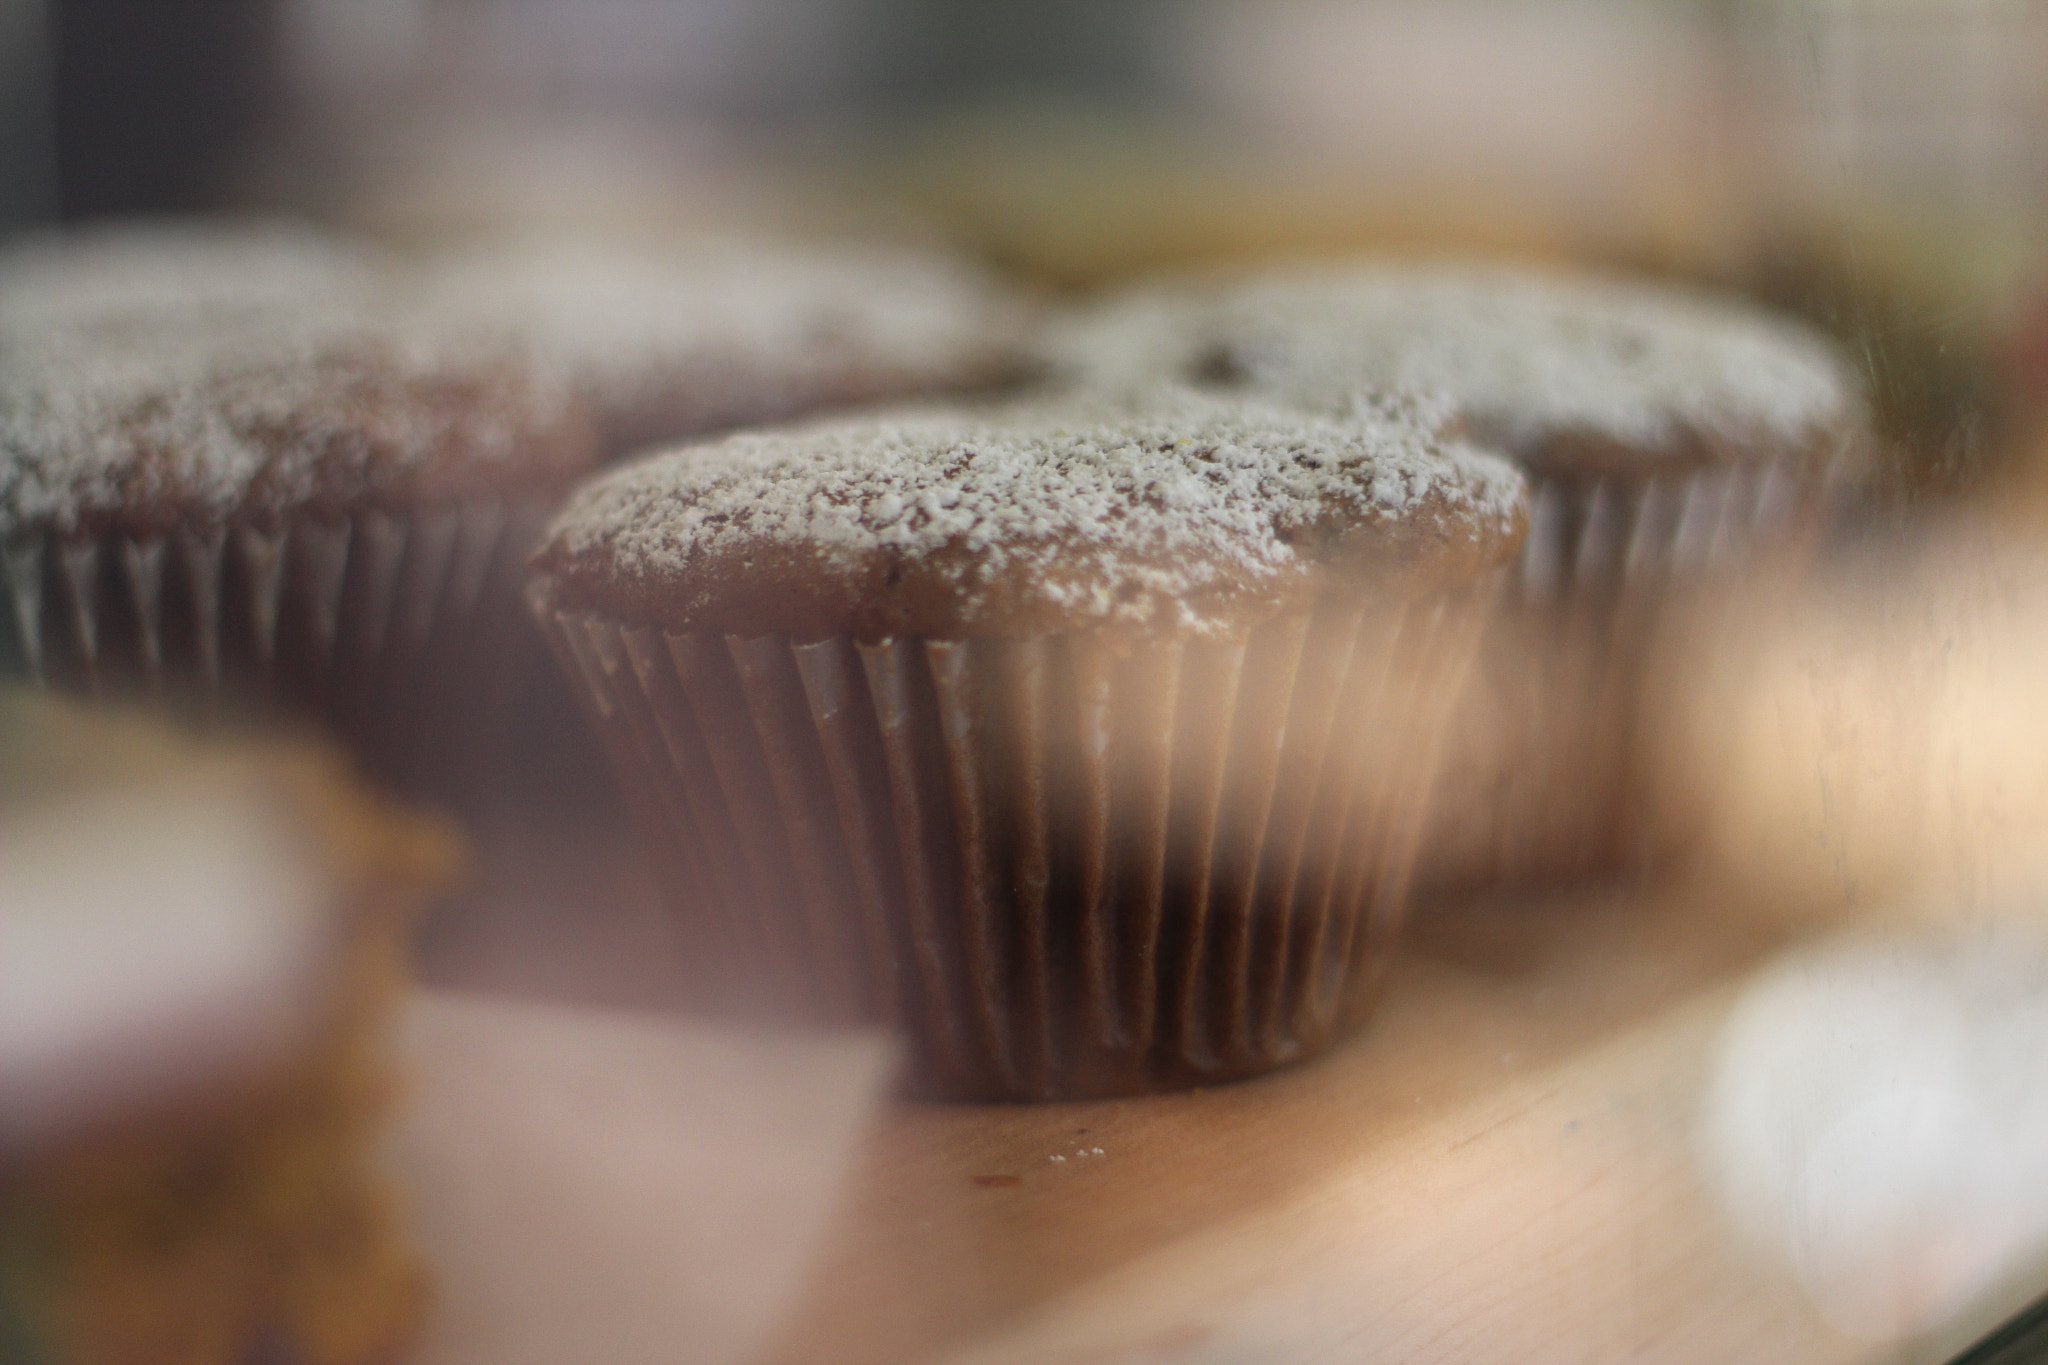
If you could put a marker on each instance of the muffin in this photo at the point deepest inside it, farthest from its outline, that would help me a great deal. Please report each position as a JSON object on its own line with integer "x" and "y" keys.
{"x": 325, "y": 512}
{"x": 1084, "y": 747}
{"x": 677, "y": 338}
{"x": 1664, "y": 434}
{"x": 200, "y": 949}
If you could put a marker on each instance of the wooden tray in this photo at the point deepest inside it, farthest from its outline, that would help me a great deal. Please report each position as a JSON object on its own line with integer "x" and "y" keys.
{"x": 1500, "y": 1168}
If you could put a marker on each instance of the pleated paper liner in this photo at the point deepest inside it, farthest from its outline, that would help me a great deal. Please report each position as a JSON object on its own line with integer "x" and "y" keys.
{"x": 1061, "y": 867}
{"x": 1537, "y": 782}
{"x": 403, "y": 630}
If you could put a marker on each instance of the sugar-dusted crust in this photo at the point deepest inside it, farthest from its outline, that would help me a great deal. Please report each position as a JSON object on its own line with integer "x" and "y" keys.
{"x": 149, "y": 426}
{"x": 1570, "y": 374}
{"x": 691, "y": 336}
{"x": 127, "y": 273}
{"x": 1176, "y": 514}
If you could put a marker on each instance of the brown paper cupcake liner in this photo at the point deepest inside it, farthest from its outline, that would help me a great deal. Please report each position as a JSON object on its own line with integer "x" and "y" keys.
{"x": 1537, "y": 784}
{"x": 1060, "y": 867}
{"x": 1604, "y": 538}
{"x": 390, "y": 625}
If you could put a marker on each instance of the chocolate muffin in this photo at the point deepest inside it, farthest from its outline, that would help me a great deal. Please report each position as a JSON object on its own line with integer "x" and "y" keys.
{"x": 324, "y": 512}
{"x": 1664, "y": 433}
{"x": 678, "y": 338}
{"x": 1083, "y": 746}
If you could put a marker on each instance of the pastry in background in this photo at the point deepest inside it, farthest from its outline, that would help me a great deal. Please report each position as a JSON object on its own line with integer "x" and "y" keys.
{"x": 1078, "y": 196}
{"x": 681, "y": 336}
{"x": 1083, "y": 745}
{"x": 1666, "y": 434}
{"x": 201, "y": 946}
{"x": 431, "y": 174}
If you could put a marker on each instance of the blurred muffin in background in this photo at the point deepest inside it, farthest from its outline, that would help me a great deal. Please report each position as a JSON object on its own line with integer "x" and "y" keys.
{"x": 1077, "y": 196}
{"x": 1667, "y": 434}
{"x": 433, "y": 176}
{"x": 1079, "y": 199}
{"x": 201, "y": 946}
{"x": 680, "y": 336}
{"x": 298, "y": 497}
{"x": 1244, "y": 130}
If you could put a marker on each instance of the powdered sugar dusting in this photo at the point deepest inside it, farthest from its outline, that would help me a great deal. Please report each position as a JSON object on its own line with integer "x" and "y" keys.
{"x": 1111, "y": 514}
{"x": 193, "y": 418}
{"x": 635, "y": 322}
{"x": 128, "y": 273}
{"x": 1526, "y": 355}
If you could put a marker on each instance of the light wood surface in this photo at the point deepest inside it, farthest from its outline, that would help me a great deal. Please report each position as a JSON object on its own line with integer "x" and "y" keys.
{"x": 1556, "y": 1219}
{"x": 611, "y": 1188}
{"x": 1501, "y": 1167}
{"x": 1497, "y": 1169}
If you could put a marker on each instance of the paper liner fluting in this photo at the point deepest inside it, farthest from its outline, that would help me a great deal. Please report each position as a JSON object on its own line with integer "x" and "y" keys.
{"x": 1060, "y": 867}
{"x": 1538, "y": 776}
{"x": 393, "y": 626}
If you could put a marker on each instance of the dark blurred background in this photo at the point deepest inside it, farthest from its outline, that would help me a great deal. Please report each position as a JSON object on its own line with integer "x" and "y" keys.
{"x": 1878, "y": 165}
{"x": 148, "y": 105}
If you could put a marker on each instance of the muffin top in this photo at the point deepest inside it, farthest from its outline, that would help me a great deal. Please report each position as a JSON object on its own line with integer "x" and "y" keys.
{"x": 174, "y": 270}
{"x": 1180, "y": 514}
{"x": 144, "y": 427}
{"x": 1567, "y": 373}
{"x": 687, "y": 337}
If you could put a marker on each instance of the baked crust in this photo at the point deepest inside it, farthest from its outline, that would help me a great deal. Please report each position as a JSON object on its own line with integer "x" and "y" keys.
{"x": 155, "y": 428}
{"x": 1179, "y": 514}
{"x": 1576, "y": 376}
{"x": 679, "y": 339}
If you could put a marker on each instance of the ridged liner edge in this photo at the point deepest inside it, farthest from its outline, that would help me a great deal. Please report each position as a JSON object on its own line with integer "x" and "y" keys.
{"x": 1601, "y": 558}
{"x": 1061, "y": 867}
{"x": 358, "y": 618}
